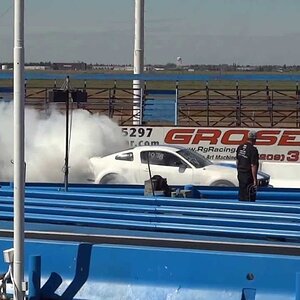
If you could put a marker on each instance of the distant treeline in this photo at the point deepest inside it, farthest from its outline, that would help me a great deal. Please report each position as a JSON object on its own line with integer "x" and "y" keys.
{"x": 48, "y": 65}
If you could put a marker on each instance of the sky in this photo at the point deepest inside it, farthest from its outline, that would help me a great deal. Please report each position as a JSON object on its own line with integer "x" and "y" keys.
{"x": 244, "y": 32}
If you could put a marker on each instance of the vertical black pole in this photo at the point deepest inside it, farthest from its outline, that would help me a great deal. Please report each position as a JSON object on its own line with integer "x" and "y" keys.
{"x": 238, "y": 106}
{"x": 67, "y": 137}
{"x": 298, "y": 105}
{"x": 270, "y": 106}
{"x": 25, "y": 87}
{"x": 150, "y": 175}
{"x": 176, "y": 104}
{"x": 207, "y": 103}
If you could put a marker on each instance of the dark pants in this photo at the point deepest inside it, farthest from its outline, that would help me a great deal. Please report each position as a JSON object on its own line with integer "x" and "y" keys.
{"x": 247, "y": 191}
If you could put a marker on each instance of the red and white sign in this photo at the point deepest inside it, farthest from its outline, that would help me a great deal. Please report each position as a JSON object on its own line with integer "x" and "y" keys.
{"x": 273, "y": 144}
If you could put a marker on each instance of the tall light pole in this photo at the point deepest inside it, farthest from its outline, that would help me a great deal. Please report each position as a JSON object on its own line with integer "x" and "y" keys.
{"x": 138, "y": 63}
{"x": 19, "y": 162}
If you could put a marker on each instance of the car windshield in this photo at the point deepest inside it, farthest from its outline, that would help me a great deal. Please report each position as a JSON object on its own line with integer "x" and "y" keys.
{"x": 193, "y": 157}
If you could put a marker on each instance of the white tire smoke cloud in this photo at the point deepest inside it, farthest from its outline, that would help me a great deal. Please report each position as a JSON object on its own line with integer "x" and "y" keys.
{"x": 91, "y": 135}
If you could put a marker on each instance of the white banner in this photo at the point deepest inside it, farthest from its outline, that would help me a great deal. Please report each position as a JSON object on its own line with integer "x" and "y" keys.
{"x": 274, "y": 144}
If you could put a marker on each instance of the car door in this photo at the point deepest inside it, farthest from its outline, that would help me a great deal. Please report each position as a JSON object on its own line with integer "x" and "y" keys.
{"x": 166, "y": 164}
{"x": 127, "y": 165}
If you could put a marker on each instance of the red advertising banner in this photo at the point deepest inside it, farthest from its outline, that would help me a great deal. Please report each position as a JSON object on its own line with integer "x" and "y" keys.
{"x": 274, "y": 144}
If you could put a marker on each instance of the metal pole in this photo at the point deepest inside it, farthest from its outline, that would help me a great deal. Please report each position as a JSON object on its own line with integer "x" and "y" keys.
{"x": 141, "y": 106}
{"x": 238, "y": 106}
{"x": 207, "y": 103}
{"x": 176, "y": 104}
{"x": 138, "y": 63}
{"x": 298, "y": 106}
{"x": 67, "y": 136}
{"x": 19, "y": 162}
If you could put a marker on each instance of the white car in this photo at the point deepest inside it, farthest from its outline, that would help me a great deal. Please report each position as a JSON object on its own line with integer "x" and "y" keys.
{"x": 180, "y": 166}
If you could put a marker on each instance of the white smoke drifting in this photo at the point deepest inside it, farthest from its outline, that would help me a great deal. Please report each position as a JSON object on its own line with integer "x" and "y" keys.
{"x": 91, "y": 135}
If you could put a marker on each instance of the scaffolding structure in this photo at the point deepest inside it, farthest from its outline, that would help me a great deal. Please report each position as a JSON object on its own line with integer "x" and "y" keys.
{"x": 210, "y": 107}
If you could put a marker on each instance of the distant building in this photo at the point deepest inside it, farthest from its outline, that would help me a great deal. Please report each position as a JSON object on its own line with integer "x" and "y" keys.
{"x": 246, "y": 68}
{"x": 102, "y": 67}
{"x": 32, "y": 68}
{"x": 123, "y": 68}
{"x": 81, "y": 66}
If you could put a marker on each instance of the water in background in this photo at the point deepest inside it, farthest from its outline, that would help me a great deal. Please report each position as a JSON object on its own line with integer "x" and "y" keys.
{"x": 158, "y": 77}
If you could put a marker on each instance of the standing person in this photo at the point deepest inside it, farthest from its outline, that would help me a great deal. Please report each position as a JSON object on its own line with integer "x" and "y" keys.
{"x": 247, "y": 166}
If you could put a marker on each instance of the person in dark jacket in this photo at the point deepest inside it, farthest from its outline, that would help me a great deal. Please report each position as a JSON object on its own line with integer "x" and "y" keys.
{"x": 247, "y": 159}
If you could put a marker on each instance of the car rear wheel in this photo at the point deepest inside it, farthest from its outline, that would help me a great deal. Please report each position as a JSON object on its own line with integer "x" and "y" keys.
{"x": 223, "y": 183}
{"x": 112, "y": 178}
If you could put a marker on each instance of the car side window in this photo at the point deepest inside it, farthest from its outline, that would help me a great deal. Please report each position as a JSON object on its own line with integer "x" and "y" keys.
{"x": 128, "y": 156}
{"x": 161, "y": 158}
{"x": 154, "y": 157}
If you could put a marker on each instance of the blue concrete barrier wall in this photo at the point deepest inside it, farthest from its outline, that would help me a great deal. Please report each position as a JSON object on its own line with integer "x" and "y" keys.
{"x": 86, "y": 271}
{"x": 213, "y": 247}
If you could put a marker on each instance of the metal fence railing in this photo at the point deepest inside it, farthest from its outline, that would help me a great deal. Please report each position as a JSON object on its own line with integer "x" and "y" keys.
{"x": 222, "y": 107}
